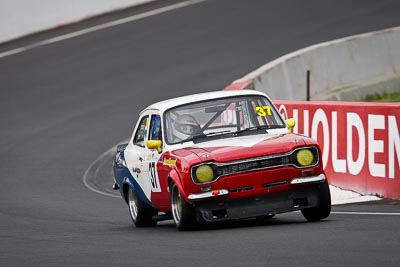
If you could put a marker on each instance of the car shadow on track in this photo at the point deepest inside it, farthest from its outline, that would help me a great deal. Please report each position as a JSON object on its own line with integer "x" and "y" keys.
{"x": 279, "y": 220}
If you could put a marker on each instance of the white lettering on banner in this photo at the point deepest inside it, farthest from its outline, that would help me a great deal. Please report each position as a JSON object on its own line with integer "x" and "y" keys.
{"x": 320, "y": 117}
{"x": 296, "y": 118}
{"x": 365, "y": 132}
{"x": 306, "y": 122}
{"x": 354, "y": 122}
{"x": 393, "y": 144}
{"x": 375, "y": 122}
{"x": 283, "y": 111}
{"x": 339, "y": 165}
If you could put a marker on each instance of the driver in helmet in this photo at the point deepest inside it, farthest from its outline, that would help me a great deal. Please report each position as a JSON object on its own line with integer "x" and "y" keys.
{"x": 185, "y": 126}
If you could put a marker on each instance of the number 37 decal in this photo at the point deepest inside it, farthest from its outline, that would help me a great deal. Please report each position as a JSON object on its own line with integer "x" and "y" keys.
{"x": 264, "y": 111}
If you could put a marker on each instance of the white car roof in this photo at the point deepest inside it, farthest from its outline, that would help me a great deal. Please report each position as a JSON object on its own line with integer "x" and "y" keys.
{"x": 173, "y": 102}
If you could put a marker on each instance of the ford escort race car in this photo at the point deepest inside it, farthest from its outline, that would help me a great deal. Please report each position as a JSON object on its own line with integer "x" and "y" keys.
{"x": 218, "y": 156}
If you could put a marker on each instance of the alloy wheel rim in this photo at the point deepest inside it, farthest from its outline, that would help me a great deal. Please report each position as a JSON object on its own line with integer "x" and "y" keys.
{"x": 176, "y": 205}
{"x": 133, "y": 204}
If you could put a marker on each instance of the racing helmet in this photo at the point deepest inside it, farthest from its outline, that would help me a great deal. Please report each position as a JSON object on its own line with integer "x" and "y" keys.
{"x": 185, "y": 126}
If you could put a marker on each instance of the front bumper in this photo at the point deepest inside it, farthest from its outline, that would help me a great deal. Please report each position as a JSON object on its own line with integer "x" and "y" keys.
{"x": 309, "y": 180}
{"x": 214, "y": 207}
{"x": 208, "y": 195}
{"x": 213, "y": 211}
{"x": 223, "y": 192}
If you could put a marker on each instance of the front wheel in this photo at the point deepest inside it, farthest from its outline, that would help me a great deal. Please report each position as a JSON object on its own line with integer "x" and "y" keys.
{"x": 140, "y": 214}
{"x": 324, "y": 209}
{"x": 183, "y": 213}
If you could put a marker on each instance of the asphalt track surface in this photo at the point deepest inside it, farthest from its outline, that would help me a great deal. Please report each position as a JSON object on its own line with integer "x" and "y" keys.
{"x": 65, "y": 104}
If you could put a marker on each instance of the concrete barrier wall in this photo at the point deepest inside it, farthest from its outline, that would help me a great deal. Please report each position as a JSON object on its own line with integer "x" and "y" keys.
{"x": 336, "y": 67}
{"x": 23, "y": 17}
{"x": 360, "y": 141}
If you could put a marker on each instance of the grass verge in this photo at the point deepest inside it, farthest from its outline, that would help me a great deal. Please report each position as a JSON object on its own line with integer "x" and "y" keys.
{"x": 386, "y": 97}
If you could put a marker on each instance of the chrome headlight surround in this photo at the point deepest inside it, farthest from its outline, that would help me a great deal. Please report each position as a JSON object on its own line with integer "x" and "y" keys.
{"x": 304, "y": 157}
{"x": 204, "y": 173}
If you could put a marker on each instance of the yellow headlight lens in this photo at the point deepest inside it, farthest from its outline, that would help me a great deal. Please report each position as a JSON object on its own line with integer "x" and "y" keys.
{"x": 305, "y": 157}
{"x": 204, "y": 174}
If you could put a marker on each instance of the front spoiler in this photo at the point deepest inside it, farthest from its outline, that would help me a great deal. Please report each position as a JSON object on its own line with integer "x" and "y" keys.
{"x": 213, "y": 211}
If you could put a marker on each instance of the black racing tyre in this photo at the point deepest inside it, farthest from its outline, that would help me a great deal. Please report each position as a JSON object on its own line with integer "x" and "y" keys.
{"x": 140, "y": 214}
{"x": 183, "y": 213}
{"x": 324, "y": 209}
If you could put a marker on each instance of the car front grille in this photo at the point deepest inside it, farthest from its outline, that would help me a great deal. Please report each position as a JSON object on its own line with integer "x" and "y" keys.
{"x": 221, "y": 169}
{"x": 251, "y": 165}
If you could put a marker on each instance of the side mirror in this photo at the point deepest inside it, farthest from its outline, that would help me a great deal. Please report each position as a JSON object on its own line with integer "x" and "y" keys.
{"x": 290, "y": 123}
{"x": 154, "y": 144}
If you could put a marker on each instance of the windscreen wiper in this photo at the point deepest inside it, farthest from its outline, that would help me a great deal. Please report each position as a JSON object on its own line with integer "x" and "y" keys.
{"x": 210, "y": 136}
{"x": 252, "y": 130}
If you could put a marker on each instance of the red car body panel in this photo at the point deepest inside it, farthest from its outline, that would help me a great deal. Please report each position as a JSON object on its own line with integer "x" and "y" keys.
{"x": 183, "y": 159}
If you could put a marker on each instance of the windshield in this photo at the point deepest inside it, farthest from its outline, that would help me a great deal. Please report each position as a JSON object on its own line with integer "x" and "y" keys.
{"x": 216, "y": 117}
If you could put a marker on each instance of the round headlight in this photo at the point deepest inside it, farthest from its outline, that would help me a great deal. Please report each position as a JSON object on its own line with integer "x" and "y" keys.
{"x": 305, "y": 157}
{"x": 204, "y": 174}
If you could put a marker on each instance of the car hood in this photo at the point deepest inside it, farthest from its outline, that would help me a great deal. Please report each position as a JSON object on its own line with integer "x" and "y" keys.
{"x": 229, "y": 149}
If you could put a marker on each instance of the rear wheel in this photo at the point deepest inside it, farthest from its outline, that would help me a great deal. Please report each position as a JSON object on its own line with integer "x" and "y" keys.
{"x": 140, "y": 214}
{"x": 324, "y": 209}
{"x": 183, "y": 213}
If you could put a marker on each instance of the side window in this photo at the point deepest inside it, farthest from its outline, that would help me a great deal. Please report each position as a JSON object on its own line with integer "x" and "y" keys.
{"x": 141, "y": 132}
{"x": 155, "y": 128}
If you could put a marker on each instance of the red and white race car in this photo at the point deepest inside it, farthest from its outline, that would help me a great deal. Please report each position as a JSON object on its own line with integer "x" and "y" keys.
{"x": 217, "y": 156}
